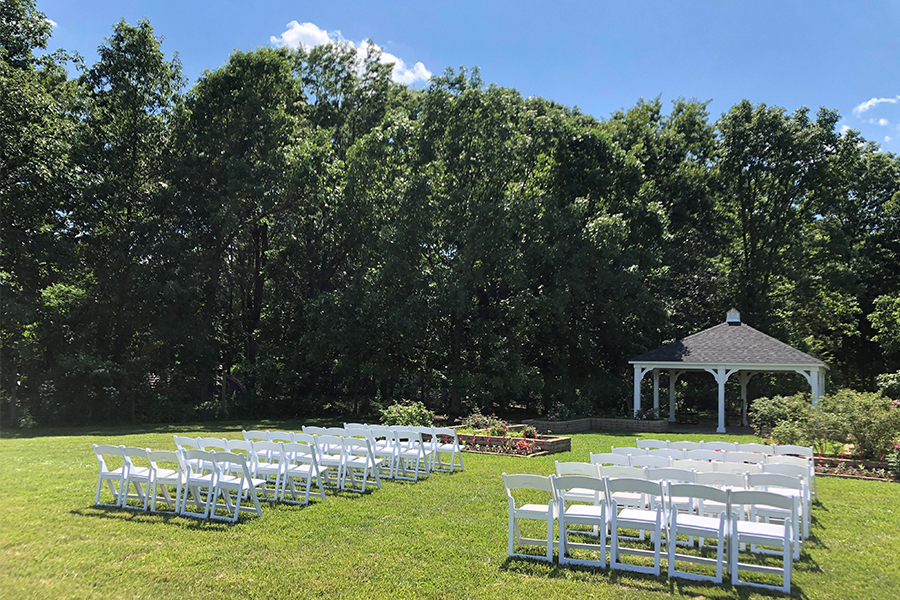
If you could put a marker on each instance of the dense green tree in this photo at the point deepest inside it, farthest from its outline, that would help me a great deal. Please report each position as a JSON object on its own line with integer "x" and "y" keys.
{"x": 121, "y": 147}
{"x": 36, "y": 128}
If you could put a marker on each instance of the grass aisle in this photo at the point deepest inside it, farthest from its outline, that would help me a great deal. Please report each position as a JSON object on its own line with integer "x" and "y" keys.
{"x": 440, "y": 538}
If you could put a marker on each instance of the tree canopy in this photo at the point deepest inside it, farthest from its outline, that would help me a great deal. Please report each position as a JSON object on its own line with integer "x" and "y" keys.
{"x": 296, "y": 232}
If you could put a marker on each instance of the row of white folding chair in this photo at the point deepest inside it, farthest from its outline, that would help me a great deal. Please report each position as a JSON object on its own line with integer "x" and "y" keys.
{"x": 267, "y": 460}
{"x": 724, "y": 463}
{"x": 731, "y": 475}
{"x": 408, "y": 458}
{"x": 433, "y": 445}
{"x": 661, "y": 514}
{"x": 716, "y": 455}
{"x": 219, "y": 480}
{"x": 147, "y": 471}
{"x": 140, "y": 469}
{"x": 782, "y": 449}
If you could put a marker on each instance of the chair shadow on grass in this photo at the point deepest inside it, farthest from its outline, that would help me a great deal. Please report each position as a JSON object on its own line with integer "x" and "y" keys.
{"x": 653, "y": 583}
{"x": 157, "y": 518}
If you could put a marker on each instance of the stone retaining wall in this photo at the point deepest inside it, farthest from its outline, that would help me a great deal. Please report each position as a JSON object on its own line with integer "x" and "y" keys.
{"x": 598, "y": 424}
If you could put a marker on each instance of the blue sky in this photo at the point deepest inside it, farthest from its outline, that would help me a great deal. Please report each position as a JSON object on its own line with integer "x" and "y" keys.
{"x": 600, "y": 56}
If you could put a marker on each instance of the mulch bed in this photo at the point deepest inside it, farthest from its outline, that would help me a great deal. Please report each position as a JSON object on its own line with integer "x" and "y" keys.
{"x": 854, "y": 469}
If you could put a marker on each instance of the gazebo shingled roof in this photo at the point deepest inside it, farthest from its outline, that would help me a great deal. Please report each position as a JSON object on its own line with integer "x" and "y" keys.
{"x": 730, "y": 343}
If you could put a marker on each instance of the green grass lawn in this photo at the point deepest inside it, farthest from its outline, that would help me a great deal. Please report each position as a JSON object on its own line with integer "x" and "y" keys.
{"x": 444, "y": 537}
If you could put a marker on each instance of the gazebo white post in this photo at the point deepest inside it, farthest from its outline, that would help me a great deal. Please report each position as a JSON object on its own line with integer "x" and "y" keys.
{"x": 639, "y": 373}
{"x": 721, "y": 374}
{"x": 813, "y": 377}
{"x": 656, "y": 390}
{"x": 673, "y": 377}
{"x": 821, "y": 382}
{"x": 744, "y": 378}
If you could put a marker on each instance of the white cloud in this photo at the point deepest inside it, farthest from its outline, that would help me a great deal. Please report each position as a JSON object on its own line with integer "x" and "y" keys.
{"x": 306, "y": 35}
{"x": 52, "y": 22}
{"x": 883, "y": 122}
{"x": 887, "y": 138}
{"x": 309, "y": 35}
{"x": 844, "y": 129}
{"x": 858, "y": 110}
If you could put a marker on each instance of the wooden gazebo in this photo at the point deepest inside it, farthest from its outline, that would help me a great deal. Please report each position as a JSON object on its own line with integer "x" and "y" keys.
{"x": 724, "y": 350}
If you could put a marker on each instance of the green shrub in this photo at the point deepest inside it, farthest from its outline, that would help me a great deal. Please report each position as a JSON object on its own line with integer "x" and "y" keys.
{"x": 871, "y": 421}
{"x": 492, "y": 425}
{"x": 790, "y": 432}
{"x": 407, "y": 415}
{"x": 770, "y": 412}
{"x": 889, "y": 384}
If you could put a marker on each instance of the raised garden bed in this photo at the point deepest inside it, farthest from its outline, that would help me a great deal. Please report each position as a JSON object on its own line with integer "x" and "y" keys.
{"x": 514, "y": 446}
{"x": 854, "y": 469}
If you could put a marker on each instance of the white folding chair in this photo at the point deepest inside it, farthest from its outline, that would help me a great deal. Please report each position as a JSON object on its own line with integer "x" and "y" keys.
{"x": 672, "y": 453}
{"x": 700, "y": 466}
{"x": 571, "y": 491}
{"x": 807, "y": 463}
{"x": 199, "y": 482}
{"x": 703, "y": 454}
{"x": 631, "y": 517}
{"x": 450, "y": 445}
{"x": 723, "y": 481}
{"x": 167, "y": 469}
{"x": 315, "y": 430}
{"x": 232, "y": 488}
{"x": 211, "y": 444}
{"x": 245, "y": 448}
{"x": 183, "y": 443}
{"x": 650, "y": 444}
{"x": 412, "y": 460}
{"x": 626, "y": 498}
{"x": 138, "y": 475}
{"x": 686, "y": 445}
{"x": 650, "y": 461}
{"x": 268, "y": 464}
{"x": 384, "y": 453}
{"x": 330, "y": 454}
{"x": 301, "y": 467}
{"x": 720, "y": 446}
{"x": 538, "y": 512}
{"x": 255, "y": 435}
{"x": 744, "y": 457}
{"x": 736, "y": 467}
{"x": 608, "y": 458}
{"x": 281, "y": 437}
{"x": 360, "y": 465}
{"x": 751, "y": 531}
{"x": 794, "y": 450}
{"x": 790, "y": 486}
{"x": 628, "y": 450}
{"x": 697, "y": 523}
{"x": 113, "y": 469}
{"x": 754, "y": 447}
{"x": 385, "y": 446}
{"x": 668, "y": 475}
{"x": 585, "y": 470}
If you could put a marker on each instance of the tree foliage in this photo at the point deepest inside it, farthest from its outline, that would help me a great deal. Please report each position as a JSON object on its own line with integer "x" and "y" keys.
{"x": 296, "y": 233}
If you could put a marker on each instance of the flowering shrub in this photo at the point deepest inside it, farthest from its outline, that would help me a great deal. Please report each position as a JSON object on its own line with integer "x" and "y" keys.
{"x": 558, "y": 412}
{"x": 477, "y": 422}
{"x": 407, "y": 415}
{"x": 529, "y": 432}
{"x": 870, "y": 421}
